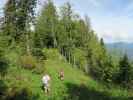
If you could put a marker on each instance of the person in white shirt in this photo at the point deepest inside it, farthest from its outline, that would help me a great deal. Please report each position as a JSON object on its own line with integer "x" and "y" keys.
{"x": 46, "y": 83}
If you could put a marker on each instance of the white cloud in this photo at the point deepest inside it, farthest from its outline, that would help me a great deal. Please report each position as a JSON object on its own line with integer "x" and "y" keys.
{"x": 95, "y": 3}
{"x": 114, "y": 29}
{"x": 114, "y": 26}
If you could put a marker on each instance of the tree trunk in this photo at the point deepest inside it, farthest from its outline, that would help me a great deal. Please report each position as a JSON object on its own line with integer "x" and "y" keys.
{"x": 28, "y": 45}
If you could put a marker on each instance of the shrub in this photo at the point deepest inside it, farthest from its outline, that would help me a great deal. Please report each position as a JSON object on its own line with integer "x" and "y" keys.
{"x": 32, "y": 63}
{"x": 3, "y": 89}
{"x": 38, "y": 53}
{"x": 3, "y": 67}
{"x": 28, "y": 61}
{"x": 3, "y": 64}
{"x": 18, "y": 88}
{"x": 39, "y": 69}
{"x": 21, "y": 93}
{"x": 52, "y": 54}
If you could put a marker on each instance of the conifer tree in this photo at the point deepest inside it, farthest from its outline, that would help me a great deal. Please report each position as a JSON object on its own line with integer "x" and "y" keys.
{"x": 9, "y": 25}
{"x": 125, "y": 72}
{"x": 18, "y": 16}
{"x": 46, "y": 26}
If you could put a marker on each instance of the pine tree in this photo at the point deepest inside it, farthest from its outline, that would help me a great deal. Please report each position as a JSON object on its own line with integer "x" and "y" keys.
{"x": 125, "y": 72}
{"x": 19, "y": 15}
{"x": 46, "y": 26}
{"x": 9, "y": 25}
{"x": 25, "y": 14}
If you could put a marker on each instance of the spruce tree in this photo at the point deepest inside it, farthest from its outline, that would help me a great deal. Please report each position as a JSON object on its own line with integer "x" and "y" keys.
{"x": 19, "y": 15}
{"x": 46, "y": 26}
{"x": 125, "y": 72}
{"x": 25, "y": 20}
{"x": 9, "y": 25}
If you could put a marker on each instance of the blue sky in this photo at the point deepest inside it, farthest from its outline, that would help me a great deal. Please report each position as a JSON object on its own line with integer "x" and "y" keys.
{"x": 111, "y": 19}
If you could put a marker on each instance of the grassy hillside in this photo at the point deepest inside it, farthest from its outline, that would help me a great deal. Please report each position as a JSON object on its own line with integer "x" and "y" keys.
{"x": 76, "y": 86}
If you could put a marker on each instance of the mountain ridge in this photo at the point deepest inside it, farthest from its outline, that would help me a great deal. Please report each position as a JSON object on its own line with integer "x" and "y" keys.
{"x": 120, "y": 48}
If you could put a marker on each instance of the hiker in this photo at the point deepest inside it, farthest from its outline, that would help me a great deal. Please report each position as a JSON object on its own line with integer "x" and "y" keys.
{"x": 46, "y": 83}
{"x": 61, "y": 74}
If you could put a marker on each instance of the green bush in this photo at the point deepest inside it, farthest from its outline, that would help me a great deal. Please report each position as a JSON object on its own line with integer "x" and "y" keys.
{"x": 3, "y": 64}
{"x": 28, "y": 61}
{"x": 52, "y": 54}
{"x": 38, "y": 53}
{"x": 20, "y": 93}
{"x": 39, "y": 69}
{"x": 3, "y": 89}
{"x": 3, "y": 67}
{"x": 32, "y": 63}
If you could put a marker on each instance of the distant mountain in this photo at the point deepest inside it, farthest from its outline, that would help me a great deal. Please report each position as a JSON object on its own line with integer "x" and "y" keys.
{"x": 119, "y": 49}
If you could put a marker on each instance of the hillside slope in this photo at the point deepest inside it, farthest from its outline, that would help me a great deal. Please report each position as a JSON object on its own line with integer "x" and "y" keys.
{"x": 76, "y": 85}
